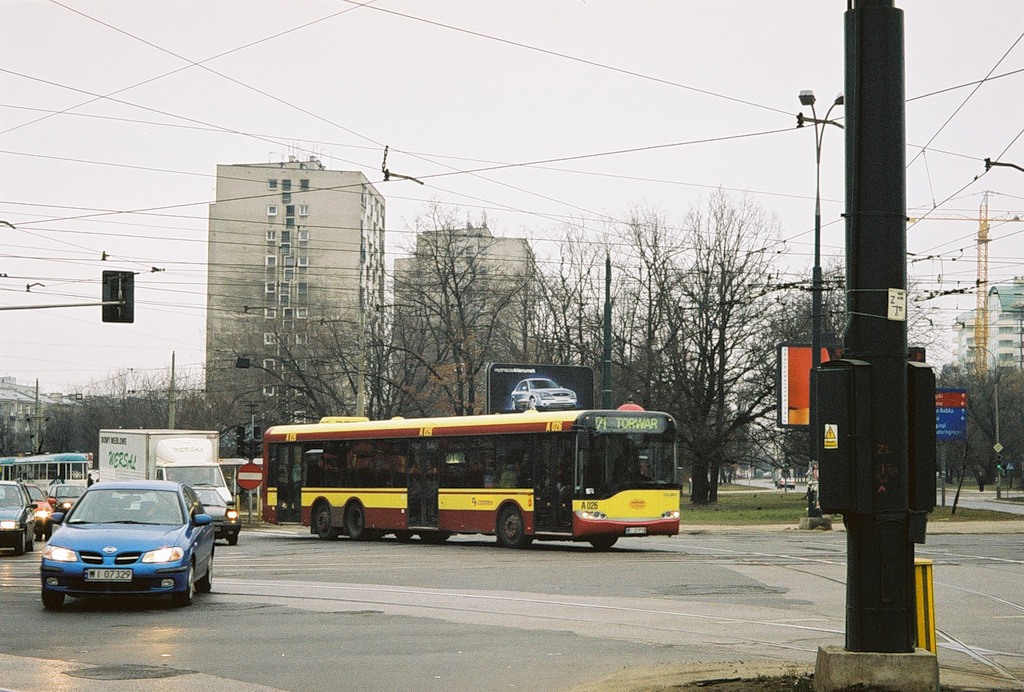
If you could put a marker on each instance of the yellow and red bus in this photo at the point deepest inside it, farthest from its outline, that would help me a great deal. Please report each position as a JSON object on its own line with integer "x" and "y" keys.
{"x": 570, "y": 475}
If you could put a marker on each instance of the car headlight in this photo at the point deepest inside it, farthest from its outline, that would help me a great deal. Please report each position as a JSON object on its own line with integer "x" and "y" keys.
{"x": 232, "y": 514}
{"x": 58, "y": 554}
{"x": 43, "y": 514}
{"x": 66, "y": 505}
{"x": 163, "y": 555}
{"x": 8, "y": 524}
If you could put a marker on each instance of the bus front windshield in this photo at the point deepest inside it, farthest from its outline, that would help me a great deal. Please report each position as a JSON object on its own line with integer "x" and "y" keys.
{"x": 611, "y": 463}
{"x": 195, "y": 475}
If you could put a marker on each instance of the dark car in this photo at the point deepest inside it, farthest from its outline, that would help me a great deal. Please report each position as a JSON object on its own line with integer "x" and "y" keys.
{"x": 43, "y": 511}
{"x": 63, "y": 495}
{"x": 124, "y": 539}
{"x": 542, "y": 394}
{"x": 225, "y": 518}
{"x": 17, "y": 518}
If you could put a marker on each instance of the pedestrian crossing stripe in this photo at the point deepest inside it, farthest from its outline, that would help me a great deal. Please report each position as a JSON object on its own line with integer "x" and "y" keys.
{"x": 831, "y": 436}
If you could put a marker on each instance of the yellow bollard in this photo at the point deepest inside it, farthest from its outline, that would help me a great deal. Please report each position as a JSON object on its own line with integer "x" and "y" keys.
{"x": 925, "y": 605}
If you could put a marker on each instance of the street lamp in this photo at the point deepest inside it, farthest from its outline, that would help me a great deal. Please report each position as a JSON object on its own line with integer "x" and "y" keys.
{"x": 807, "y": 99}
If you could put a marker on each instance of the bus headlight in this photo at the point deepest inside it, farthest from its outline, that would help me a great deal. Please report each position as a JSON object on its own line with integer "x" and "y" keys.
{"x": 671, "y": 514}
{"x": 586, "y": 514}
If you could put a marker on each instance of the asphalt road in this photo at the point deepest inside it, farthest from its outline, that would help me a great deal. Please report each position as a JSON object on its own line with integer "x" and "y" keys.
{"x": 289, "y": 611}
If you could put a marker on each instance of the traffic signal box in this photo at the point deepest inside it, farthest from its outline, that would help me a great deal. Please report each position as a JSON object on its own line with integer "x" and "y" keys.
{"x": 119, "y": 286}
{"x": 841, "y": 392}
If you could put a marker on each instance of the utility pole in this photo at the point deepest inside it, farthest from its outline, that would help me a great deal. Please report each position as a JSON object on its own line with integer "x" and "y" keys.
{"x": 606, "y": 371}
{"x": 172, "y": 397}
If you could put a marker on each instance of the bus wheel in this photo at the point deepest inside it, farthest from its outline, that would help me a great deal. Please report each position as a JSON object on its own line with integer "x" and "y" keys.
{"x": 404, "y": 536}
{"x": 511, "y": 528}
{"x": 355, "y": 523}
{"x": 603, "y": 542}
{"x": 322, "y": 522}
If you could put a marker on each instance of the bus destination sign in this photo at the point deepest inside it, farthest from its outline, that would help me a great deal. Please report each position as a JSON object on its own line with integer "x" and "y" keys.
{"x": 629, "y": 424}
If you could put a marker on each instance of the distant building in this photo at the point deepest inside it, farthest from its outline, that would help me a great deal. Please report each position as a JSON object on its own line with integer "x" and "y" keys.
{"x": 1006, "y": 327}
{"x": 289, "y": 243}
{"x": 22, "y": 415}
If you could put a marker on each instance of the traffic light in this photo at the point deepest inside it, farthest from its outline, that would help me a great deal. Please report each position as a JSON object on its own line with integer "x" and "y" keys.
{"x": 240, "y": 438}
{"x": 120, "y": 287}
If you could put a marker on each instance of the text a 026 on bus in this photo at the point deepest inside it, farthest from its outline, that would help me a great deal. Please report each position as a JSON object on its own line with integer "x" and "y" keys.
{"x": 590, "y": 476}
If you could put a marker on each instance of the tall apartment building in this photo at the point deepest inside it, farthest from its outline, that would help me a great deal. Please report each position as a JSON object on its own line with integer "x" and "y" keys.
{"x": 291, "y": 245}
{"x": 1005, "y": 343}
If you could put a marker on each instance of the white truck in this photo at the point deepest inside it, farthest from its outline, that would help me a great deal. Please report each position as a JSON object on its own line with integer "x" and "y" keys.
{"x": 184, "y": 456}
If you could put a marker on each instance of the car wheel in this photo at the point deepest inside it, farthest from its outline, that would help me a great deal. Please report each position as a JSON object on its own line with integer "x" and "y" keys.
{"x": 206, "y": 583}
{"x": 511, "y": 528}
{"x": 53, "y": 600}
{"x": 22, "y": 544}
{"x": 31, "y": 536}
{"x": 185, "y": 598}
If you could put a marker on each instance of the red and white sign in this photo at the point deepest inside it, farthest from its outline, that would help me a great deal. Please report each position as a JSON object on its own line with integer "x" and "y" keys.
{"x": 250, "y": 476}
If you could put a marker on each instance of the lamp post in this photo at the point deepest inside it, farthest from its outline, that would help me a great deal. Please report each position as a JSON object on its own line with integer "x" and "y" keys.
{"x": 807, "y": 99}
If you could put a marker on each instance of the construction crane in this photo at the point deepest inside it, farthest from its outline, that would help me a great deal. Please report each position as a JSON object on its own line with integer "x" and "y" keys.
{"x": 981, "y": 323}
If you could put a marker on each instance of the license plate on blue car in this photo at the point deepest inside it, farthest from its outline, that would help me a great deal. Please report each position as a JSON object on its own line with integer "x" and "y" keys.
{"x": 108, "y": 575}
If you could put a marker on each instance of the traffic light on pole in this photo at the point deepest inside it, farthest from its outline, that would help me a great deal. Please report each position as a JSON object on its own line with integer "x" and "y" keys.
{"x": 119, "y": 292}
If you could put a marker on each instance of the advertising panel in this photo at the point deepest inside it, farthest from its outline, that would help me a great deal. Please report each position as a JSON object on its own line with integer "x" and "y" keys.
{"x": 514, "y": 387}
{"x": 793, "y": 383}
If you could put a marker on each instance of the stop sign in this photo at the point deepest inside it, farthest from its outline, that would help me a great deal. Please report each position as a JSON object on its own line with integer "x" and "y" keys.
{"x": 250, "y": 476}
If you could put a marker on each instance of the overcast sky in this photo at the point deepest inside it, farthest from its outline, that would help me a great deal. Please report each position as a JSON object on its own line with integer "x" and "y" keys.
{"x": 114, "y": 115}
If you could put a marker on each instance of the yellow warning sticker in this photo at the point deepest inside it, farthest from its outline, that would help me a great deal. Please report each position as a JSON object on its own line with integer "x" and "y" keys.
{"x": 831, "y": 436}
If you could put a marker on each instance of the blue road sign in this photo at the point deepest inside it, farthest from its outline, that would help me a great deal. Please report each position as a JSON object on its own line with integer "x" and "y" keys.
{"x": 950, "y": 424}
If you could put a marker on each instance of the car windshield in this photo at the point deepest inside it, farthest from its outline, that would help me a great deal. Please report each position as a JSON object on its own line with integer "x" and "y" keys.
{"x": 10, "y": 496}
{"x": 195, "y": 475}
{"x": 35, "y": 493}
{"x": 543, "y": 384}
{"x": 127, "y": 506}
{"x": 66, "y": 491}
{"x": 209, "y": 497}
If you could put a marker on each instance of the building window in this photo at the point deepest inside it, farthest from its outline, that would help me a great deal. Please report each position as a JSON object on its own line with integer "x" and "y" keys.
{"x": 304, "y": 184}
{"x": 270, "y": 313}
{"x": 303, "y": 210}
{"x": 303, "y": 289}
{"x": 303, "y": 236}
{"x": 269, "y": 364}
{"x": 288, "y": 313}
{"x": 301, "y": 313}
{"x": 271, "y": 261}
{"x": 1005, "y": 343}
{"x": 301, "y": 339}
{"x": 271, "y": 287}
{"x": 286, "y": 185}
{"x": 271, "y": 235}
{"x": 269, "y": 338}
{"x": 289, "y": 274}
{"x": 287, "y": 325}
{"x": 286, "y": 236}
{"x": 286, "y": 287}
{"x": 286, "y": 198}
{"x": 271, "y": 210}
{"x": 303, "y": 261}
{"x": 289, "y": 260}
{"x": 272, "y": 184}
{"x": 284, "y": 299}
{"x": 286, "y": 249}
{"x": 289, "y": 221}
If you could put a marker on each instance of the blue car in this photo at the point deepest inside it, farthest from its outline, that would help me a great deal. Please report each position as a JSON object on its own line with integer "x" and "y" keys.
{"x": 128, "y": 539}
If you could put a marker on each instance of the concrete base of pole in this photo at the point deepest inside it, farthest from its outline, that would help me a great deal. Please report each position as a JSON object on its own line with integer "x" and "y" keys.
{"x": 815, "y": 523}
{"x": 839, "y": 669}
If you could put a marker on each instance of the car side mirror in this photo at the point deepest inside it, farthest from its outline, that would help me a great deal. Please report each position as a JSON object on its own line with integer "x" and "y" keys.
{"x": 57, "y": 517}
{"x": 202, "y": 520}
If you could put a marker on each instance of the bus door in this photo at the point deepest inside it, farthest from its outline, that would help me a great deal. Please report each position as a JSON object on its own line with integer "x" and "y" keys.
{"x": 424, "y": 470}
{"x": 287, "y": 477}
{"x": 553, "y": 485}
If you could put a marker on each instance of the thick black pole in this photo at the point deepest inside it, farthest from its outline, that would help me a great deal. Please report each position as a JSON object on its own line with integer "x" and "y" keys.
{"x": 880, "y": 554}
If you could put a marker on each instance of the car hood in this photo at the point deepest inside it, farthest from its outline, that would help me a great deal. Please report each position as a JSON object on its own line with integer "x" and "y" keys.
{"x": 559, "y": 391}
{"x": 11, "y": 512}
{"x": 96, "y": 537}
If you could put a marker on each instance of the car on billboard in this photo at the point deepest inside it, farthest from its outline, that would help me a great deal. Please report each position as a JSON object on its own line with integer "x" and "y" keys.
{"x": 542, "y": 394}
